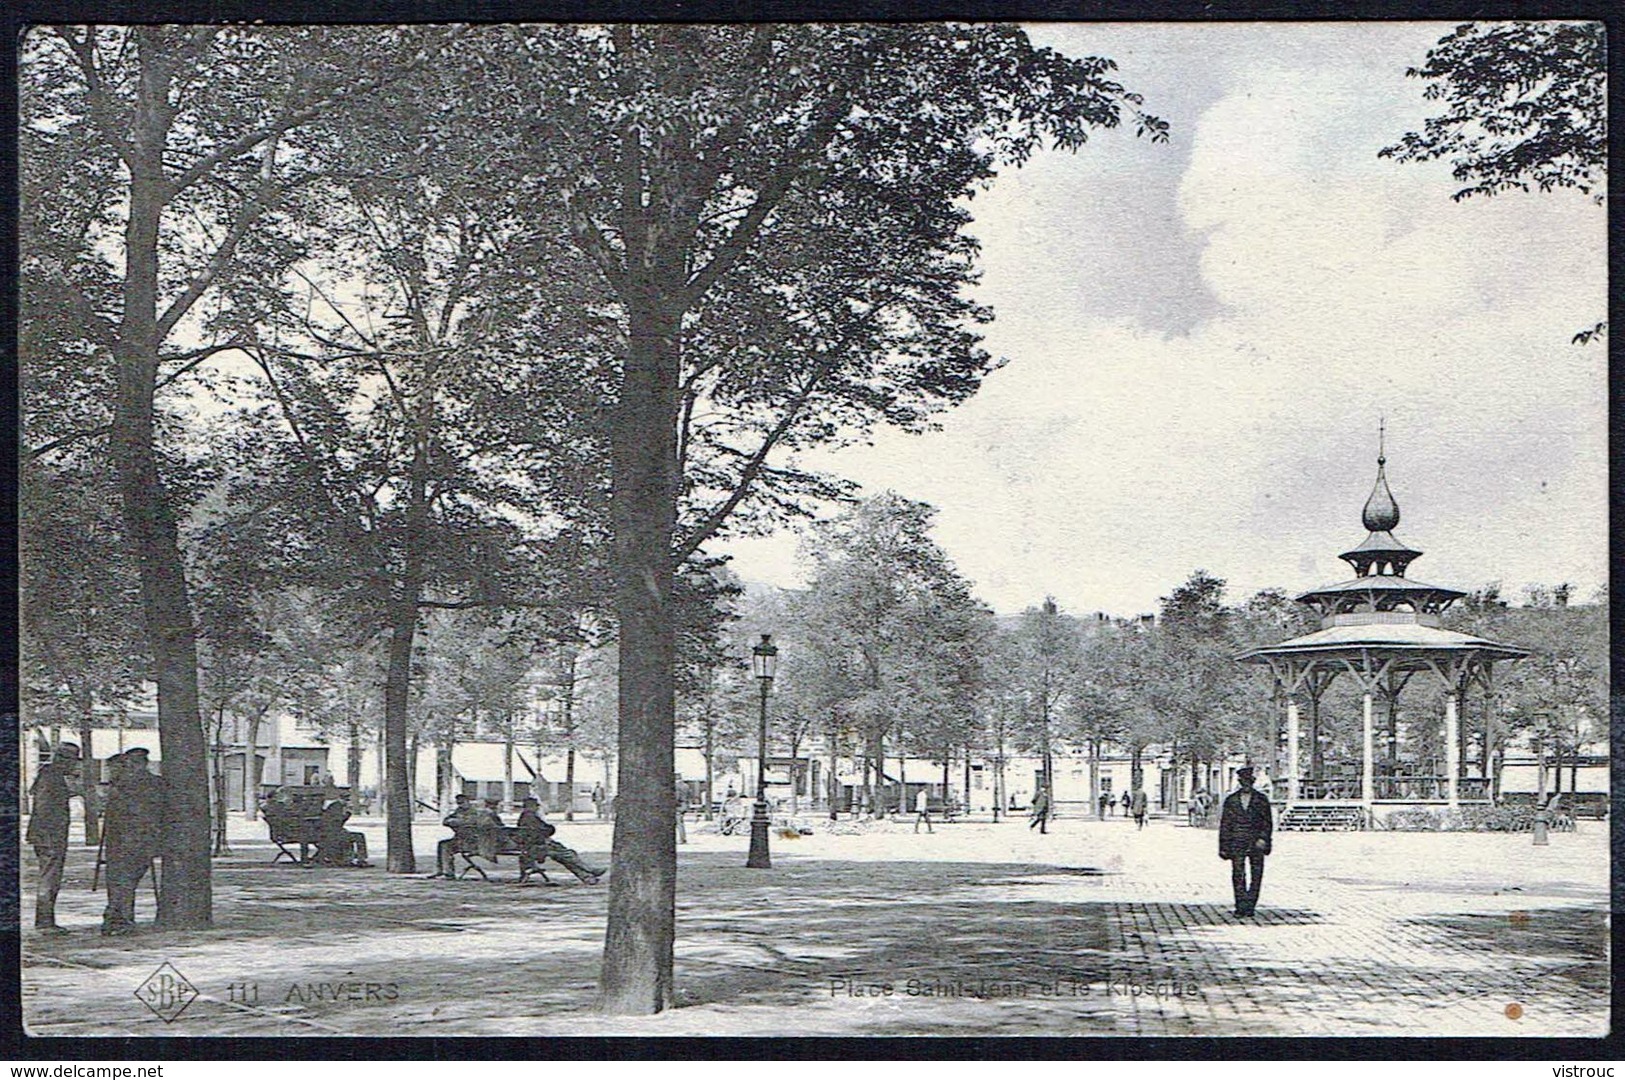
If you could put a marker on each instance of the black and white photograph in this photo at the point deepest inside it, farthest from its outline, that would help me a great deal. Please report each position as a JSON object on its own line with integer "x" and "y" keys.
{"x": 792, "y": 529}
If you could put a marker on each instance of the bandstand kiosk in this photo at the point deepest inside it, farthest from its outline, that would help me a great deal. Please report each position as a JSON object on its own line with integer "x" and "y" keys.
{"x": 1382, "y": 629}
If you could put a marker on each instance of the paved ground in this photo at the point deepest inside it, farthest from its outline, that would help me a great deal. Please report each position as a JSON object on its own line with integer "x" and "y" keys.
{"x": 976, "y": 929}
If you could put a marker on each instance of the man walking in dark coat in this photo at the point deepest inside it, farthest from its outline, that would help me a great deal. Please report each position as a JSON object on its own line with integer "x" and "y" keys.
{"x": 1246, "y": 829}
{"x": 48, "y": 830}
{"x": 1039, "y": 812}
{"x": 132, "y": 835}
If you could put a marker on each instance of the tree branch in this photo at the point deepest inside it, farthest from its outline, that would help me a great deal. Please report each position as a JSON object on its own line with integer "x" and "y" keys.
{"x": 192, "y": 359}
{"x": 249, "y": 213}
{"x": 753, "y": 467}
{"x": 758, "y": 459}
{"x": 101, "y": 106}
{"x": 67, "y": 440}
{"x": 778, "y": 184}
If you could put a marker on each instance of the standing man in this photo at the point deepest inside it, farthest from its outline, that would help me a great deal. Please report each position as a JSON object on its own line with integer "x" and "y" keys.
{"x": 1137, "y": 806}
{"x": 1040, "y": 811}
{"x": 48, "y": 830}
{"x": 680, "y": 809}
{"x": 1246, "y": 829}
{"x": 922, "y": 811}
{"x": 132, "y": 836}
{"x": 598, "y": 800}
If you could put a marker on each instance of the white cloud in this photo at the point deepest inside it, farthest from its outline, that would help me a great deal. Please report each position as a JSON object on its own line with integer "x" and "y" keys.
{"x": 1110, "y": 458}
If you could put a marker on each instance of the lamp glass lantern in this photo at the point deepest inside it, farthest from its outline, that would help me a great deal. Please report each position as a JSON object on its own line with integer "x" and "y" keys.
{"x": 765, "y": 658}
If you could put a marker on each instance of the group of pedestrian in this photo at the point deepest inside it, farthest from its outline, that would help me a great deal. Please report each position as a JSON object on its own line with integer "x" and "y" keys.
{"x": 480, "y": 830}
{"x": 1134, "y": 804}
{"x": 134, "y": 825}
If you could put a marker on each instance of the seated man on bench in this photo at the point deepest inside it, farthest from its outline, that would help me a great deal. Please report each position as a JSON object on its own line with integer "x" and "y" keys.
{"x": 475, "y": 831}
{"x": 463, "y": 838}
{"x": 336, "y": 845}
{"x": 536, "y": 845}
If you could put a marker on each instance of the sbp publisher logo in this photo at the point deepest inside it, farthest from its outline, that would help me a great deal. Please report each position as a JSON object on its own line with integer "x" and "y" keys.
{"x": 166, "y": 992}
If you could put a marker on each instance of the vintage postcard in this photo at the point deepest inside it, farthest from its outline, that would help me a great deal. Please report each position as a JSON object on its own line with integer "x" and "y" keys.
{"x": 821, "y": 529}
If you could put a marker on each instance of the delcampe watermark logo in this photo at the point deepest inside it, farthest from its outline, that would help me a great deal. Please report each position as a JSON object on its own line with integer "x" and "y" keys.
{"x": 167, "y": 992}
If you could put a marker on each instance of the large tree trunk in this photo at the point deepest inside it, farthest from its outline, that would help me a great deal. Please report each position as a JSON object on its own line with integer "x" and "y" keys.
{"x": 352, "y": 761}
{"x": 832, "y": 784}
{"x": 868, "y": 794}
{"x": 444, "y": 771}
{"x": 251, "y": 767}
{"x": 795, "y": 775}
{"x": 222, "y": 845}
{"x": 879, "y": 804}
{"x": 998, "y": 773}
{"x": 570, "y": 740}
{"x": 383, "y": 786}
{"x": 710, "y": 765}
{"x": 638, "y": 940}
{"x": 507, "y": 763}
{"x": 1094, "y": 779}
{"x": 397, "y": 686}
{"x": 403, "y": 624}
{"x": 1049, "y": 762}
{"x": 186, "y": 900}
{"x": 569, "y": 688}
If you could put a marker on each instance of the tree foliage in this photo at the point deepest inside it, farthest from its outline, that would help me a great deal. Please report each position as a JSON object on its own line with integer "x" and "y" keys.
{"x": 1525, "y": 107}
{"x": 892, "y": 636}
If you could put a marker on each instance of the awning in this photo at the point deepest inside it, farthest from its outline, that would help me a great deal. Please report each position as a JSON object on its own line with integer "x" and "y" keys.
{"x": 483, "y": 761}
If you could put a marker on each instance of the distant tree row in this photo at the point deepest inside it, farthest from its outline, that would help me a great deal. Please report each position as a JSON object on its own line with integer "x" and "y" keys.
{"x": 887, "y": 653}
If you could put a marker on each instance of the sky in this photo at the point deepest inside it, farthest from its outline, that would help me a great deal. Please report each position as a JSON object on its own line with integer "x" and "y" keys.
{"x": 1201, "y": 337}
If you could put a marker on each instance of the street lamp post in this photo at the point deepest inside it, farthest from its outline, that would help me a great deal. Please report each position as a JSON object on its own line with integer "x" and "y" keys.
{"x": 765, "y": 661}
{"x": 1538, "y": 829}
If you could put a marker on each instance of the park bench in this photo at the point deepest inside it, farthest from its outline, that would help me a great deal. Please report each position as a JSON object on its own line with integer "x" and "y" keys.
{"x": 466, "y": 847}
{"x": 299, "y": 820}
{"x": 303, "y": 831}
{"x": 1559, "y": 815}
